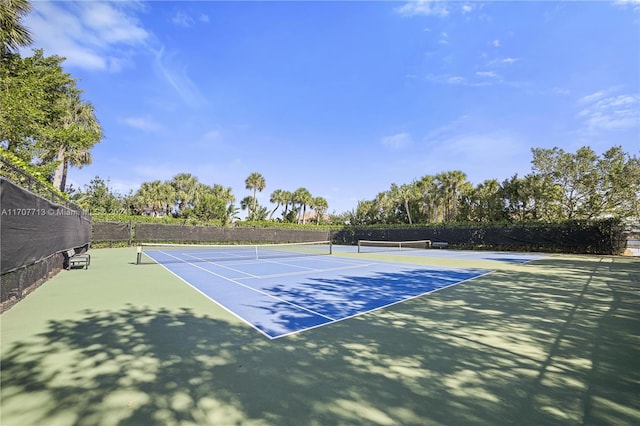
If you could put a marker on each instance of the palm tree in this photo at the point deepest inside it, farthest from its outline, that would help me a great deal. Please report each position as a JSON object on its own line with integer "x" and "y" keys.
{"x": 278, "y": 198}
{"x": 247, "y": 204}
{"x": 287, "y": 198}
{"x": 166, "y": 196}
{"x": 12, "y": 33}
{"x": 231, "y": 215}
{"x": 256, "y": 182}
{"x": 76, "y": 158}
{"x": 225, "y": 194}
{"x": 407, "y": 193}
{"x": 78, "y": 133}
{"x": 303, "y": 197}
{"x": 450, "y": 186}
{"x": 155, "y": 196}
{"x": 186, "y": 188}
{"x": 426, "y": 187}
{"x": 320, "y": 205}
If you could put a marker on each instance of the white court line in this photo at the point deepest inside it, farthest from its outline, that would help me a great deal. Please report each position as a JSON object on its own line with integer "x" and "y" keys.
{"x": 288, "y": 264}
{"x": 289, "y": 274}
{"x": 251, "y": 288}
{"x": 352, "y": 265}
{"x": 222, "y": 266}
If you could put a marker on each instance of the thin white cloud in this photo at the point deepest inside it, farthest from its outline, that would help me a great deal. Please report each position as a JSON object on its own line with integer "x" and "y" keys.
{"x": 146, "y": 124}
{"x": 91, "y": 35}
{"x": 181, "y": 19}
{"x": 594, "y": 97}
{"x": 424, "y": 8}
{"x": 489, "y": 74}
{"x": 495, "y": 43}
{"x": 502, "y": 61}
{"x": 467, "y": 8}
{"x": 175, "y": 75}
{"x": 456, "y": 80}
{"x": 604, "y": 110}
{"x": 185, "y": 20}
{"x": 397, "y": 141}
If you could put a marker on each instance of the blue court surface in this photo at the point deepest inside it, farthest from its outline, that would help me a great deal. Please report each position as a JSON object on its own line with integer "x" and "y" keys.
{"x": 283, "y": 295}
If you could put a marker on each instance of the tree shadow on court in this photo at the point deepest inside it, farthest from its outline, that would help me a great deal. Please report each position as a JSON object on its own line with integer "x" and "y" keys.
{"x": 538, "y": 347}
{"x": 348, "y": 295}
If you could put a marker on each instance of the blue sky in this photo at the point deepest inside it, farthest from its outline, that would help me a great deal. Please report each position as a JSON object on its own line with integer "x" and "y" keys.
{"x": 344, "y": 98}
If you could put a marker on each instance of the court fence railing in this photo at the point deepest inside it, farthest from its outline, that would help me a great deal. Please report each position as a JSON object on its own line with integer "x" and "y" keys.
{"x": 607, "y": 236}
{"x": 110, "y": 234}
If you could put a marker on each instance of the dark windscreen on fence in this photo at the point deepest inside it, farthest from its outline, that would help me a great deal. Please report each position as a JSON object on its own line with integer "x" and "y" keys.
{"x": 111, "y": 232}
{"x": 596, "y": 237}
{"x": 147, "y": 232}
{"x": 33, "y": 228}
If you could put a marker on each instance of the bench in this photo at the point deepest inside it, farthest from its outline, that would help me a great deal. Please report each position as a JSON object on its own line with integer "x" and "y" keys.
{"x": 82, "y": 260}
{"x": 440, "y": 244}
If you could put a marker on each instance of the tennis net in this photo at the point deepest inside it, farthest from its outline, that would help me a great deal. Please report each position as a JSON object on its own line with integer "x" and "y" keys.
{"x": 365, "y": 246}
{"x": 189, "y": 253}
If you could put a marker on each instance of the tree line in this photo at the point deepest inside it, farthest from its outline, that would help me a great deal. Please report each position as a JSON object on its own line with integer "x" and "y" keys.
{"x": 185, "y": 197}
{"x": 561, "y": 186}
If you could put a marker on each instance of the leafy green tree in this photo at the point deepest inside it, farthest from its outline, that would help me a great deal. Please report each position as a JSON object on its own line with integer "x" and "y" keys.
{"x": 209, "y": 205}
{"x": 617, "y": 188}
{"x": 382, "y": 210}
{"x": 98, "y": 197}
{"x": 33, "y": 91}
{"x": 364, "y": 213}
{"x": 484, "y": 203}
{"x": 529, "y": 198}
{"x": 586, "y": 185}
{"x": 13, "y": 34}
{"x": 224, "y": 193}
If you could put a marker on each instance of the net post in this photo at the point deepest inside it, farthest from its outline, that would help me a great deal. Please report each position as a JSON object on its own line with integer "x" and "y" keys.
{"x": 330, "y": 247}
{"x": 139, "y": 255}
{"x": 359, "y": 246}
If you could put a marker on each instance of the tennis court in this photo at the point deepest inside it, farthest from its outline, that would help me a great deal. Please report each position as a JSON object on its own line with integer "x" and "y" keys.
{"x": 286, "y": 288}
{"x": 424, "y": 249}
{"x": 553, "y": 340}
